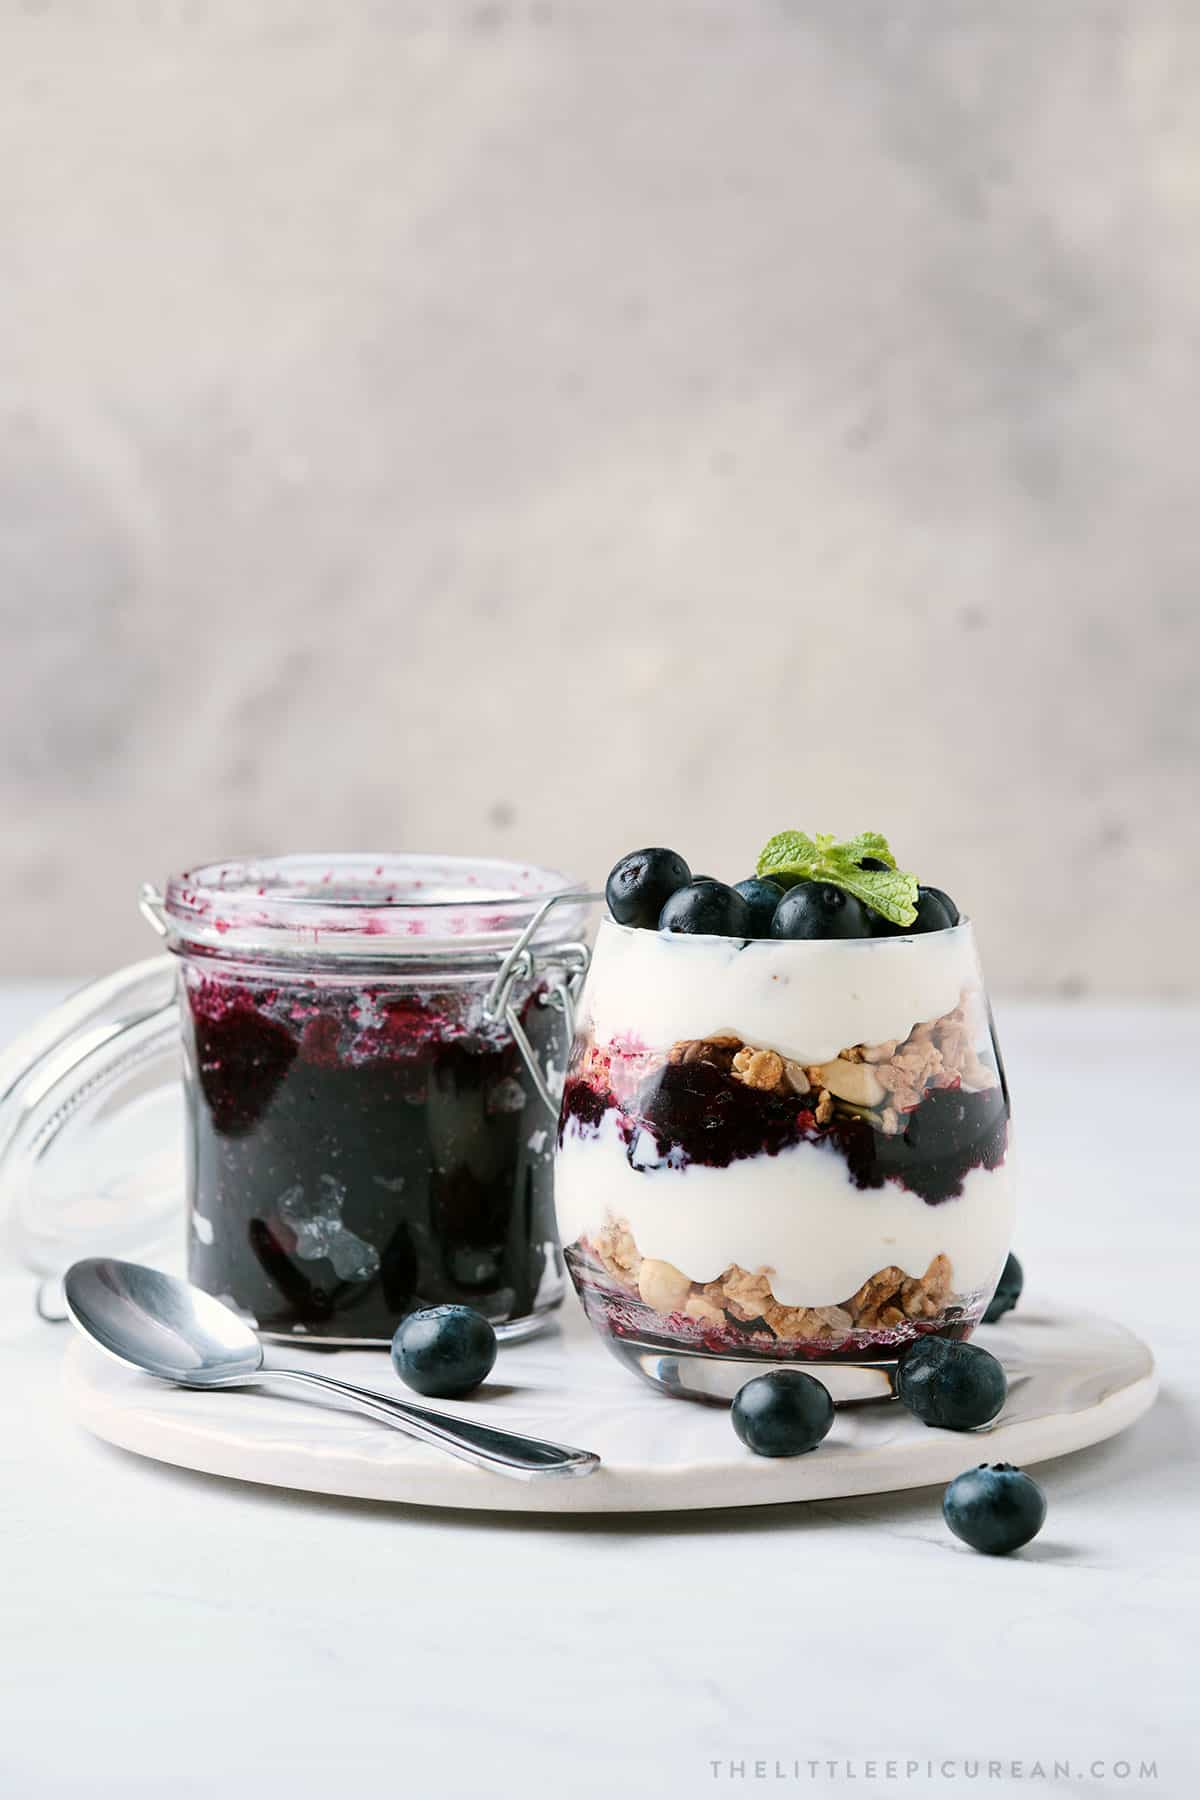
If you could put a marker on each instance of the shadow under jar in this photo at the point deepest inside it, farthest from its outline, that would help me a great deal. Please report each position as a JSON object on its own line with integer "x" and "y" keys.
{"x": 782, "y": 1152}
{"x": 365, "y": 1134}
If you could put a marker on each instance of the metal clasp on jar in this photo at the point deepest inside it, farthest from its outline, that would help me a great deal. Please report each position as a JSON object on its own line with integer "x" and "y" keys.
{"x": 563, "y": 966}
{"x": 560, "y": 965}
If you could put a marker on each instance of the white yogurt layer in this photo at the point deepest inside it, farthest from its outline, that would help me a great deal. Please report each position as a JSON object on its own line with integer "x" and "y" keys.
{"x": 797, "y": 1214}
{"x": 808, "y": 1000}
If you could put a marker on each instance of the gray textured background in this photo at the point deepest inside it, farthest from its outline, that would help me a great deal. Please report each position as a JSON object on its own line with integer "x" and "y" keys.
{"x": 555, "y": 428}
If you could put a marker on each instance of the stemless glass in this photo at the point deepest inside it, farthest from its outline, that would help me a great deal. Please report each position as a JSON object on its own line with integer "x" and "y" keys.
{"x": 367, "y": 1131}
{"x": 776, "y": 1153}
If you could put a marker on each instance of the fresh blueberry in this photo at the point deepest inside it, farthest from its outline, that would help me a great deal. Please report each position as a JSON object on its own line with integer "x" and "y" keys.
{"x": 948, "y": 1383}
{"x": 641, "y": 883}
{"x": 706, "y": 909}
{"x": 815, "y": 909}
{"x": 935, "y": 911}
{"x": 1008, "y": 1291}
{"x": 782, "y": 1413}
{"x": 994, "y": 1509}
{"x": 444, "y": 1351}
{"x": 871, "y": 862}
{"x": 762, "y": 897}
{"x": 881, "y": 927}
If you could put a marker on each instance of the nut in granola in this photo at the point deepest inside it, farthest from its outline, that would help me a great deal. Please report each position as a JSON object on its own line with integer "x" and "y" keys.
{"x": 662, "y": 1286}
{"x": 857, "y": 1083}
{"x": 762, "y": 1069}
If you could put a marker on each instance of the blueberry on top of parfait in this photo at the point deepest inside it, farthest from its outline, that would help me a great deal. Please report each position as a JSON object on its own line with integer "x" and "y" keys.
{"x": 707, "y": 909}
{"x": 762, "y": 897}
{"x": 818, "y": 909}
{"x": 936, "y": 911}
{"x": 641, "y": 883}
{"x": 805, "y": 888}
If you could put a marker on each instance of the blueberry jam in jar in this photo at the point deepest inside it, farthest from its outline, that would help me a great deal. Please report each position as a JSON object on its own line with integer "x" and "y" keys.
{"x": 365, "y": 1133}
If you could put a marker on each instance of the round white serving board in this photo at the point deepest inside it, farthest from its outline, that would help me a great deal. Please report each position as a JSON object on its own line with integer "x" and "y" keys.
{"x": 1074, "y": 1379}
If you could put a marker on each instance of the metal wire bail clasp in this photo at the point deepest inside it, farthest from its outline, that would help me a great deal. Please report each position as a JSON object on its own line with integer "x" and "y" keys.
{"x": 565, "y": 965}
{"x": 153, "y": 908}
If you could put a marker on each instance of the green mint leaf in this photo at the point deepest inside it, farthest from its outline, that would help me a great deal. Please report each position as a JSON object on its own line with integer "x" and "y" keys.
{"x": 793, "y": 856}
{"x": 790, "y": 856}
{"x": 867, "y": 843}
{"x": 892, "y": 892}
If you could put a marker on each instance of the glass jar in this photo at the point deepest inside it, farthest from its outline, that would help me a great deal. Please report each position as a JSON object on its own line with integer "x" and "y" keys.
{"x": 782, "y": 1152}
{"x": 367, "y": 1121}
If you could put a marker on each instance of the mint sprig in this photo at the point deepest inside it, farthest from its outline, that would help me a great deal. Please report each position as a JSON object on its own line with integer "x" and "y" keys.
{"x": 793, "y": 856}
{"x": 868, "y": 843}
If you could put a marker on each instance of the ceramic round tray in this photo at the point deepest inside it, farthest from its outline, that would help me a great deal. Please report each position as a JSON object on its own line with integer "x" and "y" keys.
{"x": 1074, "y": 1379}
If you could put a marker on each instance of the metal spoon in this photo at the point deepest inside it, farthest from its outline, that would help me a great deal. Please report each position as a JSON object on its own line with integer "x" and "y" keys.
{"x": 155, "y": 1322}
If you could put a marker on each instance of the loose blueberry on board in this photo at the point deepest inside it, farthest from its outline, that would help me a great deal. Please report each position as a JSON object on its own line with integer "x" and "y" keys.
{"x": 948, "y": 1383}
{"x": 762, "y": 897}
{"x": 706, "y": 909}
{"x": 444, "y": 1352}
{"x": 994, "y": 1508}
{"x": 1008, "y": 1291}
{"x": 782, "y": 1413}
{"x": 640, "y": 884}
{"x": 817, "y": 909}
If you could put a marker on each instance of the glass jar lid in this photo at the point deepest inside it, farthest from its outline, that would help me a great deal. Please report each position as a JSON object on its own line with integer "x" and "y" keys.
{"x": 364, "y": 907}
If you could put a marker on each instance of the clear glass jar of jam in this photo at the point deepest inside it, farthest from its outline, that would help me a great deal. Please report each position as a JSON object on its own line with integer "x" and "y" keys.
{"x": 366, "y": 1043}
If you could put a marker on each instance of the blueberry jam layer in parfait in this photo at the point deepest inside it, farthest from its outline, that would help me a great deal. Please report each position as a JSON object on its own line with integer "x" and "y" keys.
{"x": 786, "y": 1143}
{"x": 364, "y": 1138}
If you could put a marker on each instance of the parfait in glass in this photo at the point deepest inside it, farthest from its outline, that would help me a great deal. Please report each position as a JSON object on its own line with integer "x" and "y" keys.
{"x": 785, "y": 1127}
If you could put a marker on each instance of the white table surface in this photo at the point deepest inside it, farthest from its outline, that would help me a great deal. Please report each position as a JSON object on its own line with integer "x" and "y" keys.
{"x": 168, "y": 1634}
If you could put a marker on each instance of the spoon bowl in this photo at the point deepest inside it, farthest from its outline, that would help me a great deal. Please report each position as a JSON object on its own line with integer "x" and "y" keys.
{"x": 162, "y": 1324}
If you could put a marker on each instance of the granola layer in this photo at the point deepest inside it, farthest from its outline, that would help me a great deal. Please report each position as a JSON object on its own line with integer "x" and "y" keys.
{"x": 889, "y": 1298}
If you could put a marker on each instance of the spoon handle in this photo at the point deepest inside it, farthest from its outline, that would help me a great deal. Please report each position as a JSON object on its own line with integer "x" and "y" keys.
{"x": 506, "y": 1452}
